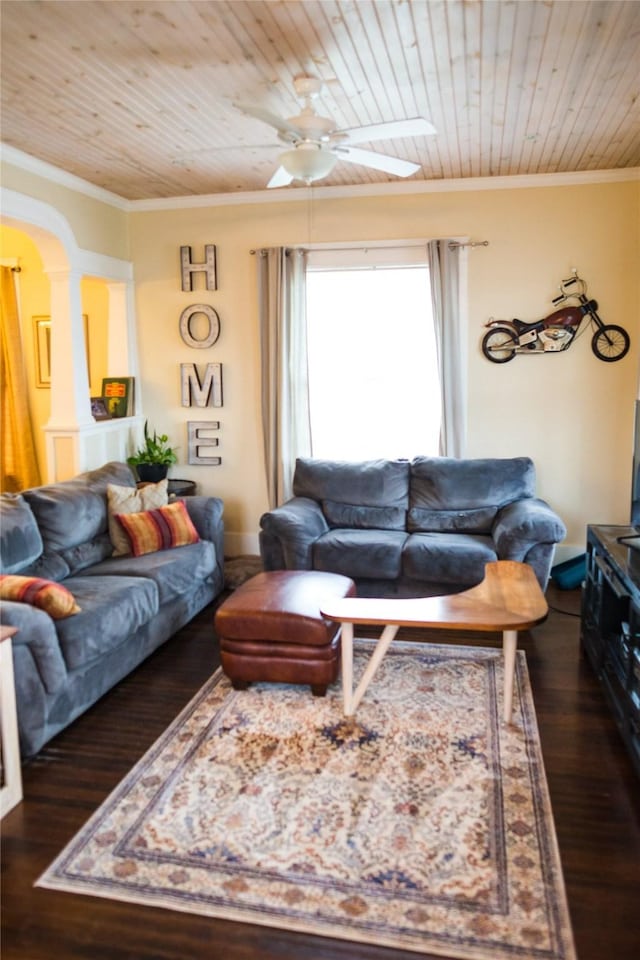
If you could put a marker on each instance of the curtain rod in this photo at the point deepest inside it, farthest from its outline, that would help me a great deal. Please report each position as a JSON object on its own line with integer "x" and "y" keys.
{"x": 357, "y": 246}
{"x": 452, "y": 246}
{"x": 469, "y": 243}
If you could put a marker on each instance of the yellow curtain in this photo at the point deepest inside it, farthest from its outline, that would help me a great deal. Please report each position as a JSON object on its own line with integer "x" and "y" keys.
{"x": 18, "y": 463}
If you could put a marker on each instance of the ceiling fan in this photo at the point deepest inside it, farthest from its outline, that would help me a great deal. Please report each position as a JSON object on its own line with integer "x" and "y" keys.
{"x": 315, "y": 145}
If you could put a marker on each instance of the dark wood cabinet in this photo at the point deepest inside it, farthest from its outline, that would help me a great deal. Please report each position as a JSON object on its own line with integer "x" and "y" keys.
{"x": 610, "y": 625}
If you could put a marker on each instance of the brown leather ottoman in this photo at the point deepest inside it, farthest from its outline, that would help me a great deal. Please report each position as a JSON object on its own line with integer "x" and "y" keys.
{"x": 271, "y": 628}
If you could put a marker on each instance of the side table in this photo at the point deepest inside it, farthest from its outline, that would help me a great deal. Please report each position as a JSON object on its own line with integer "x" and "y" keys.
{"x": 11, "y": 789}
{"x": 181, "y": 488}
{"x": 175, "y": 488}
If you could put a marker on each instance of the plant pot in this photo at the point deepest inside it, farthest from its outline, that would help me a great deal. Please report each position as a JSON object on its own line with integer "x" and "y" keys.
{"x": 151, "y": 472}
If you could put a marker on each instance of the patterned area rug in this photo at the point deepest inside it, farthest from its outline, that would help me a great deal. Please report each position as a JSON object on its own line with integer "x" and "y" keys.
{"x": 423, "y": 824}
{"x": 237, "y": 570}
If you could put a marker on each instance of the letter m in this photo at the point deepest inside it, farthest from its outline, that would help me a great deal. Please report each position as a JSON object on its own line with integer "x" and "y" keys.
{"x": 201, "y": 393}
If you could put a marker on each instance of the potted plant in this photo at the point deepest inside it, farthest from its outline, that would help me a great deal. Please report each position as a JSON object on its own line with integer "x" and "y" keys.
{"x": 153, "y": 459}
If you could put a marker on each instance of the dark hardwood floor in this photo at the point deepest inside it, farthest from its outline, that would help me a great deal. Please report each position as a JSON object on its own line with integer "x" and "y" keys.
{"x": 594, "y": 791}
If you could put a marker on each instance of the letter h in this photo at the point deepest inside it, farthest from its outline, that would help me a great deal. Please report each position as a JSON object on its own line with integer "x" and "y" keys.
{"x": 188, "y": 268}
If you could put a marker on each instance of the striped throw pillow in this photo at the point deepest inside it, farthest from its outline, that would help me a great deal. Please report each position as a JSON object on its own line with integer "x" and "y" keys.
{"x": 131, "y": 500}
{"x": 47, "y": 595}
{"x": 159, "y": 529}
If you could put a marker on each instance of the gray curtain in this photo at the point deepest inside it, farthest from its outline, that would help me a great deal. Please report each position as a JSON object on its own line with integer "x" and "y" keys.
{"x": 285, "y": 382}
{"x": 444, "y": 270}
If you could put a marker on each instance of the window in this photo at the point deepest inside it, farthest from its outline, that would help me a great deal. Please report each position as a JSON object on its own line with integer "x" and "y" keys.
{"x": 373, "y": 376}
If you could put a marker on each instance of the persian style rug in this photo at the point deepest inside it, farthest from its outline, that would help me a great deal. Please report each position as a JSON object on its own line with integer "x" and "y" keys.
{"x": 422, "y": 824}
{"x": 237, "y": 570}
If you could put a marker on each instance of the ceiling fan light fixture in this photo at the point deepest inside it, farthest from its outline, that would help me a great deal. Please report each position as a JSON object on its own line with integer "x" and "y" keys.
{"x": 308, "y": 162}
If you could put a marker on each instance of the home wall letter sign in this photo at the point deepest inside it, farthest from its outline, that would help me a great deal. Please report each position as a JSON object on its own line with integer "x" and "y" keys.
{"x": 205, "y": 392}
{"x": 194, "y": 390}
{"x": 213, "y": 325}
{"x": 188, "y": 268}
{"x": 196, "y": 429}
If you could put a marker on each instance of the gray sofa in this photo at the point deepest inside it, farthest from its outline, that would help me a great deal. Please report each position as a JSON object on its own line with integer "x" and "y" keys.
{"x": 411, "y": 529}
{"x": 129, "y": 604}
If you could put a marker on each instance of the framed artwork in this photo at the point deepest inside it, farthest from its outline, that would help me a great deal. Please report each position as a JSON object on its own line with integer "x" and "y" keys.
{"x": 42, "y": 344}
{"x": 42, "y": 340}
{"x": 99, "y": 409}
{"x": 118, "y": 395}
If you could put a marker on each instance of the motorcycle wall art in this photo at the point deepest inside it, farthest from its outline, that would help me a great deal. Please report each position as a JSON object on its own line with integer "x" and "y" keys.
{"x": 558, "y": 330}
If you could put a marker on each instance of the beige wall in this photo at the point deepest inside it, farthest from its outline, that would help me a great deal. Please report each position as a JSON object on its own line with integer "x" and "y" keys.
{"x": 570, "y": 412}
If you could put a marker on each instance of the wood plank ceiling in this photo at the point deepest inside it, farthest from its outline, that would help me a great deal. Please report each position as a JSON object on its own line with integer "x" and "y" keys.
{"x": 137, "y": 97}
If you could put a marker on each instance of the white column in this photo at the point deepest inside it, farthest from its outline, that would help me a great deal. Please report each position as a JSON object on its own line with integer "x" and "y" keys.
{"x": 70, "y": 405}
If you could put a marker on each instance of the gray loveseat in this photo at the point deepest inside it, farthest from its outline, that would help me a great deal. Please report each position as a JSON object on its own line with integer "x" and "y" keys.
{"x": 129, "y": 604}
{"x": 410, "y": 529}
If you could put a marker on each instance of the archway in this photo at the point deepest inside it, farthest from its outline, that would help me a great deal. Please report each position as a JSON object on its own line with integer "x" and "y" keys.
{"x": 74, "y": 441}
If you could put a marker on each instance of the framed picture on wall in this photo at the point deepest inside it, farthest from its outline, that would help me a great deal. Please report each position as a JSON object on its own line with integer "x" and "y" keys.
{"x": 42, "y": 346}
{"x": 42, "y": 342}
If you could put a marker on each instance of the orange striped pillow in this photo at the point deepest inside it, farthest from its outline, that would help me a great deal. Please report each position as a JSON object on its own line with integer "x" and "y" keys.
{"x": 159, "y": 529}
{"x": 49, "y": 596}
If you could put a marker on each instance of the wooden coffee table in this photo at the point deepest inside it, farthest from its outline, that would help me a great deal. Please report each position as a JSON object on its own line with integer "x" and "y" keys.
{"x": 509, "y": 599}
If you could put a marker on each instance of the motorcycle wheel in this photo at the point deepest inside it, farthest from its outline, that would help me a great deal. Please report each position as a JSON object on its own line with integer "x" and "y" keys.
{"x": 498, "y": 345}
{"x": 610, "y": 343}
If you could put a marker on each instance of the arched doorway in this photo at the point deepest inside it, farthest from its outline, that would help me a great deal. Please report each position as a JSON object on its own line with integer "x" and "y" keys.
{"x": 73, "y": 440}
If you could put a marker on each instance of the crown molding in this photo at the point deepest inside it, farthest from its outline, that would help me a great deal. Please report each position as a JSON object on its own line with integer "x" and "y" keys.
{"x": 291, "y": 194}
{"x": 405, "y": 187}
{"x": 24, "y": 161}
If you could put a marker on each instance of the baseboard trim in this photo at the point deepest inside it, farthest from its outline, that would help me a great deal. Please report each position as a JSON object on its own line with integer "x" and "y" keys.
{"x": 241, "y": 544}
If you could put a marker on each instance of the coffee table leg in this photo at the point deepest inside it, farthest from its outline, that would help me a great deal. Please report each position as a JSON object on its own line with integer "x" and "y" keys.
{"x": 509, "y": 646}
{"x": 351, "y": 699}
{"x": 347, "y": 667}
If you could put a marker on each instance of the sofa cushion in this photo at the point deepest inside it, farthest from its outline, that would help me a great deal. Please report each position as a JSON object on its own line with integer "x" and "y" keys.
{"x": 364, "y": 518}
{"x": 113, "y": 608}
{"x": 50, "y": 565}
{"x": 20, "y": 540}
{"x": 364, "y": 553}
{"x": 174, "y": 572}
{"x": 465, "y": 495}
{"x": 369, "y": 483}
{"x": 451, "y": 521}
{"x": 447, "y": 557}
{"x": 72, "y": 514}
{"x": 160, "y": 529}
{"x": 47, "y": 595}
{"x": 131, "y": 500}
{"x": 85, "y": 554}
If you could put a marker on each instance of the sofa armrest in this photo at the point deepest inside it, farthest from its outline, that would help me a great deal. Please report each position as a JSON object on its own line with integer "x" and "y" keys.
{"x": 523, "y": 524}
{"x": 207, "y": 516}
{"x": 288, "y": 533}
{"x": 37, "y": 641}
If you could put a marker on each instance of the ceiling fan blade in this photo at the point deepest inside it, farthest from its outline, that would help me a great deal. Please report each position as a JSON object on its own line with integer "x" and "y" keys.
{"x": 287, "y": 131}
{"x": 415, "y": 127}
{"x": 379, "y": 161}
{"x": 281, "y": 178}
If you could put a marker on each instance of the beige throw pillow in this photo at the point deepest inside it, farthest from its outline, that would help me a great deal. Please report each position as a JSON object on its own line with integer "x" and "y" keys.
{"x": 131, "y": 500}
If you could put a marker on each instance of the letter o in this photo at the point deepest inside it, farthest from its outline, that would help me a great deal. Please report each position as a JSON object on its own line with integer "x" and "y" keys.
{"x": 185, "y": 325}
